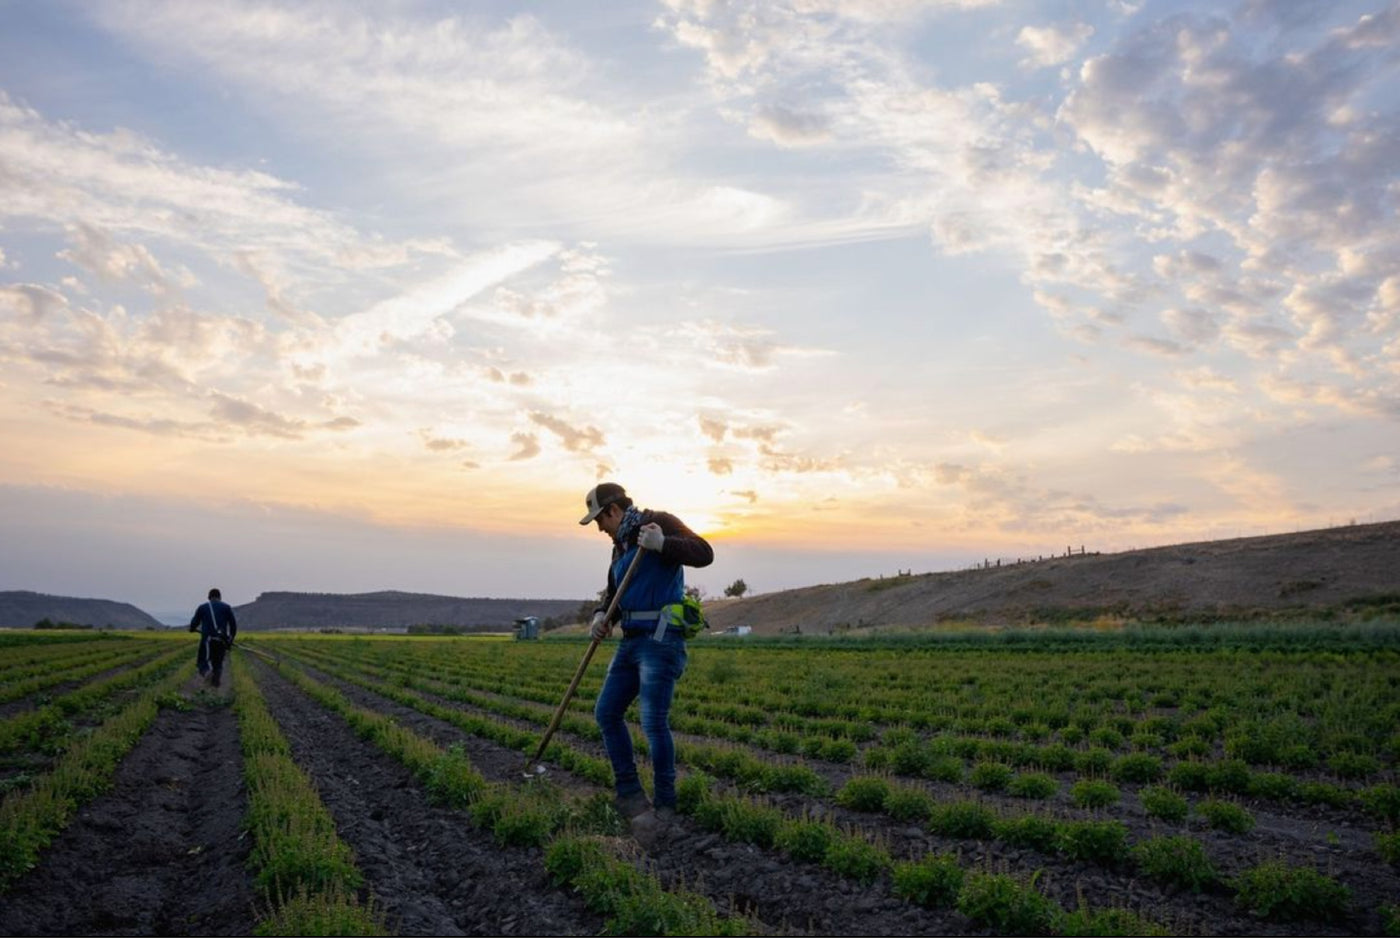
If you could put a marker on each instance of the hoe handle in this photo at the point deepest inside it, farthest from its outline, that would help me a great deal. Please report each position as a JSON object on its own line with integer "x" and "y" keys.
{"x": 587, "y": 657}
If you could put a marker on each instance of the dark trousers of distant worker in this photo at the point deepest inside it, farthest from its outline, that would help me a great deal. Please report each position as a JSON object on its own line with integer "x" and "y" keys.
{"x": 211, "y": 656}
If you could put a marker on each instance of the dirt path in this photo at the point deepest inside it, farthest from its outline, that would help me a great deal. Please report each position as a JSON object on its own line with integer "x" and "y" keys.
{"x": 161, "y": 853}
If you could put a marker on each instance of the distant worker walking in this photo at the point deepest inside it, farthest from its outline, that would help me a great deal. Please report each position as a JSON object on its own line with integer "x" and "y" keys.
{"x": 217, "y": 627}
{"x": 651, "y": 657}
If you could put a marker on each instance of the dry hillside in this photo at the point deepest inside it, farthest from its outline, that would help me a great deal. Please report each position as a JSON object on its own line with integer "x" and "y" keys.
{"x": 1300, "y": 573}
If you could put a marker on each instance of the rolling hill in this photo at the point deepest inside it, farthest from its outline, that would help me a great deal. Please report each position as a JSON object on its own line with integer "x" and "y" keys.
{"x": 1305, "y": 573}
{"x": 21, "y": 609}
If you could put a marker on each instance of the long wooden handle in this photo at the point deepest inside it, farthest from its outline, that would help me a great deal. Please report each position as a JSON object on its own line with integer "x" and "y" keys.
{"x": 587, "y": 657}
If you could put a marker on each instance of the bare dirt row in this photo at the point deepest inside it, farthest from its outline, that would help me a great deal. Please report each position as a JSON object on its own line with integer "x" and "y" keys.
{"x": 162, "y": 853}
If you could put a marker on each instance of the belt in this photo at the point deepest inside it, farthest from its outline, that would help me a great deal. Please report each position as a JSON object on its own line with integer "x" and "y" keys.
{"x": 648, "y": 616}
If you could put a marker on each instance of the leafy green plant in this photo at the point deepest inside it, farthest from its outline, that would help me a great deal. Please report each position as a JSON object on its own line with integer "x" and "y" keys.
{"x": 910, "y": 758}
{"x": 453, "y": 780}
{"x": 1107, "y": 737}
{"x": 1325, "y": 793}
{"x": 1390, "y": 919}
{"x": 1136, "y": 767}
{"x": 1388, "y": 846}
{"x": 1164, "y": 803}
{"x": 1179, "y": 860}
{"x": 1383, "y": 802}
{"x": 634, "y": 902}
{"x": 842, "y": 751}
{"x": 1094, "y": 761}
{"x": 805, "y": 840}
{"x": 1232, "y": 775}
{"x": 1190, "y": 776}
{"x": 1354, "y": 765}
{"x": 1095, "y": 922}
{"x": 1277, "y": 891}
{"x": 964, "y": 819}
{"x": 948, "y": 769}
{"x": 908, "y": 804}
{"x": 933, "y": 881}
{"x": 793, "y": 777}
{"x": 323, "y": 913}
{"x": 523, "y": 824}
{"x": 1101, "y": 842}
{"x": 1276, "y": 786}
{"x": 854, "y": 857}
{"x": 1094, "y": 793}
{"x": 990, "y": 776}
{"x": 1036, "y": 785}
{"x": 1007, "y": 905}
{"x": 1226, "y": 816}
{"x": 864, "y": 793}
{"x": 1028, "y": 830}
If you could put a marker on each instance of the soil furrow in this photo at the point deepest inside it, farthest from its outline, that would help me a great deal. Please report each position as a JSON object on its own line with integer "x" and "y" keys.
{"x": 161, "y": 853}
{"x": 430, "y": 872}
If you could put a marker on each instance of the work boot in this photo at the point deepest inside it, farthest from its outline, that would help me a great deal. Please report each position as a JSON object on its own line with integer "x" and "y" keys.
{"x": 651, "y": 829}
{"x": 646, "y": 830}
{"x": 630, "y": 806}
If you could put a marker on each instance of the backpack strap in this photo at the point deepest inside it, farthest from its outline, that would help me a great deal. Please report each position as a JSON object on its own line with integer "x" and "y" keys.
{"x": 214, "y": 623}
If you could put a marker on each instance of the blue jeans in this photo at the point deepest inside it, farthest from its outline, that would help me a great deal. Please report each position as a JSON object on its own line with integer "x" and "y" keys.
{"x": 647, "y": 669}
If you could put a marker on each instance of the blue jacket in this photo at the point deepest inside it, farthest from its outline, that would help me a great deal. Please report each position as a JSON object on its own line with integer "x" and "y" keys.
{"x": 221, "y": 623}
{"x": 660, "y": 579}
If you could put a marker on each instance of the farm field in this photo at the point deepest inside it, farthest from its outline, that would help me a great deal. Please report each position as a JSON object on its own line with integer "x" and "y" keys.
{"x": 1235, "y": 780}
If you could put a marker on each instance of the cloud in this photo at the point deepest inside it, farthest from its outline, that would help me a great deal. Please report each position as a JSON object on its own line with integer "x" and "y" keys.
{"x": 418, "y": 310}
{"x": 713, "y": 427}
{"x": 95, "y": 250}
{"x": 32, "y": 302}
{"x": 120, "y": 184}
{"x": 1192, "y": 325}
{"x": 788, "y": 126}
{"x": 575, "y": 439}
{"x": 1052, "y": 45}
{"x": 992, "y": 496}
{"x": 440, "y": 444}
{"x": 527, "y": 446}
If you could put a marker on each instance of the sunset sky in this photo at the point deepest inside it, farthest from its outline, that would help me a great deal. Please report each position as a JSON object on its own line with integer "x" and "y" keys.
{"x": 343, "y": 297}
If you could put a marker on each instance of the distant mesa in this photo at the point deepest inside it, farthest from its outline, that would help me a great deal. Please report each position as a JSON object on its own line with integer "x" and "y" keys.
{"x": 22, "y": 609}
{"x": 392, "y": 609}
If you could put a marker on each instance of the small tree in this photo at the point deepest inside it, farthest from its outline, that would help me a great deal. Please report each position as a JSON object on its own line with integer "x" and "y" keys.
{"x": 736, "y": 589}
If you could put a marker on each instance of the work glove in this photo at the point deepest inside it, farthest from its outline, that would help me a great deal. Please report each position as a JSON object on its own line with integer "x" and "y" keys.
{"x": 600, "y": 629}
{"x": 649, "y": 537}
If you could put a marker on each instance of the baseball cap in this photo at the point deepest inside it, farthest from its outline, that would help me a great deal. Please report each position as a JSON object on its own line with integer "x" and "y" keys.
{"x": 601, "y": 496}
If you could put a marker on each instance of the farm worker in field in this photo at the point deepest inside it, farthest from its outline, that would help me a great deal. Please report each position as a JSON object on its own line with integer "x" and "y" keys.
{"x": 217, "y": 629}
{"x": 651, "y": 656}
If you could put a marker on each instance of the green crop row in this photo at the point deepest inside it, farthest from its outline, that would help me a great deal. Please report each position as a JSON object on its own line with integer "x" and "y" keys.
{"x": 596, "y": 770}
{"x": 47, "y": 727}
{"x": 1272, "y": 889}
{"x": 20, "y": 661}
{"x": 305, "y": 872}
{"x": 538, "y": 814}
{"x": 83, "y": 667}
{"x": 30, "y": 819}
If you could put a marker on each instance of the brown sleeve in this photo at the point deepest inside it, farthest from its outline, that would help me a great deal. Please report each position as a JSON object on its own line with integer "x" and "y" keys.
{"x": 682, "y": 546}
